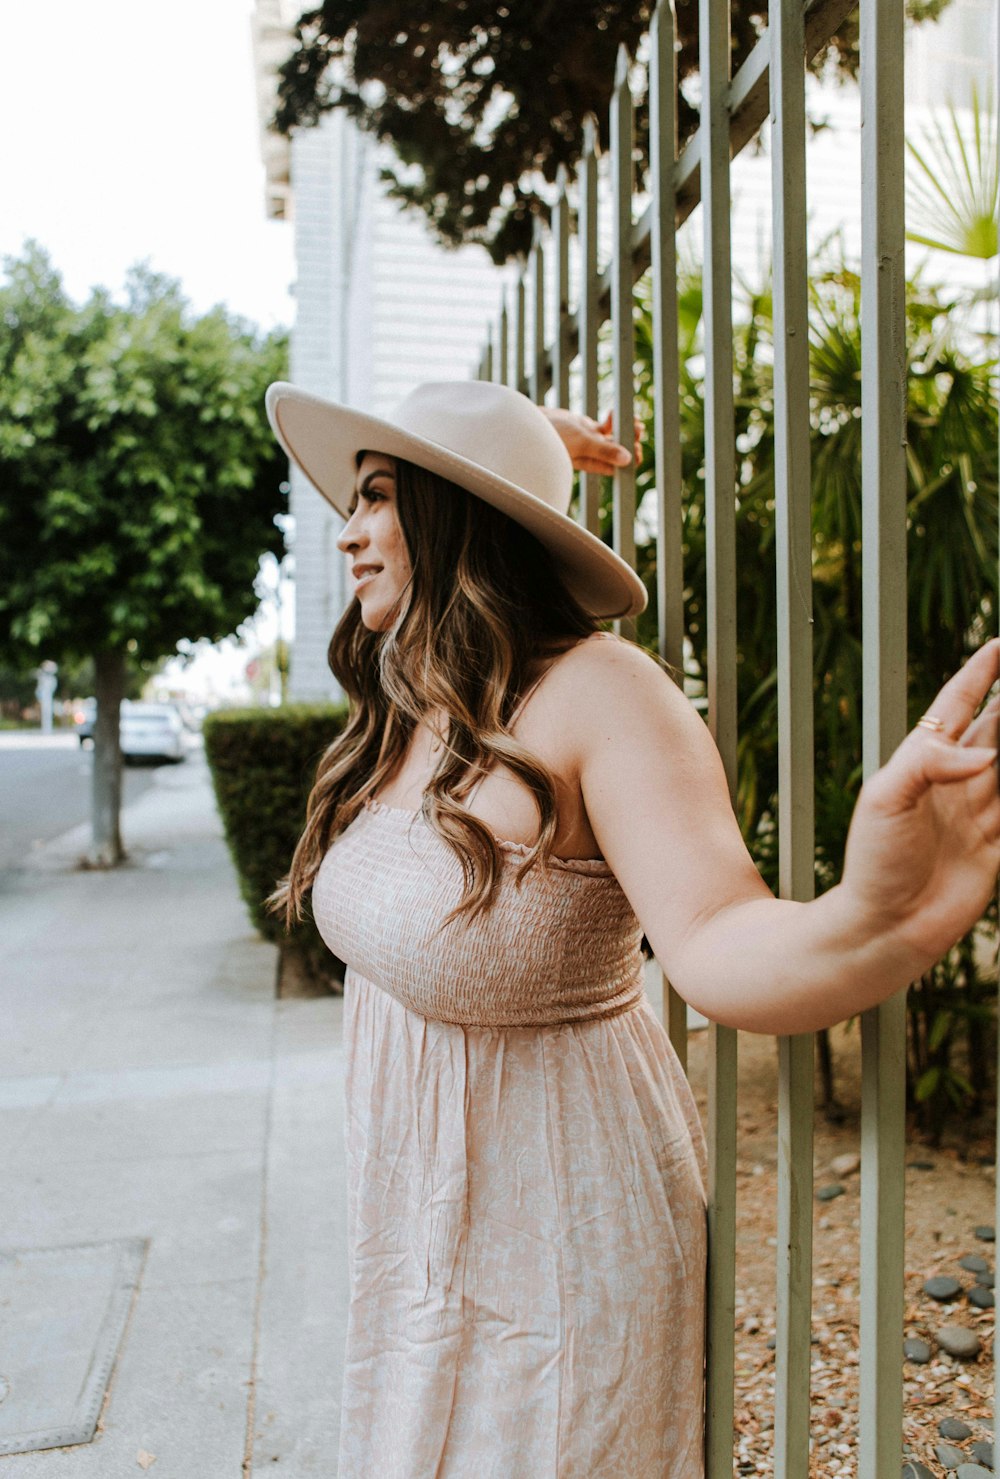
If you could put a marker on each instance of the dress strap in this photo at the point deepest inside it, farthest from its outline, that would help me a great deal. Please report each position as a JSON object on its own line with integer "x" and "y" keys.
{"x": 518, "y": 710}
{"x": 519, "y": 706}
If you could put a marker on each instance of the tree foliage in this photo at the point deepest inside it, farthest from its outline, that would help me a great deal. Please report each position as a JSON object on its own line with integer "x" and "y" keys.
{"x": 482, "y": 100}
{"x": 138, "y": 478}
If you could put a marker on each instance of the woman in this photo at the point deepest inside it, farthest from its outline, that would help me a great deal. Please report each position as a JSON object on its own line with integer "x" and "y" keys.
{"x": 516, "y": 798}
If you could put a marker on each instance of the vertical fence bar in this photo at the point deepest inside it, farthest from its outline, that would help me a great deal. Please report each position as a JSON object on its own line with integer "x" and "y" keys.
{"x": 488, "y": 360}
{"x": 622, "y": 326}
{"x": 996, "y": 625}
{"x": 537, "y": 377}
{"x": 503, "y": 349}
{"x": 560, "y": 247}
{"x": 666, "y": 388}
{"x": 720, "y": 494}
{"x": 588, "y": 512}
{"x": 517, "y": 379}
{"x": 883, "y": 569}
{"x": 666, "y": 363}
{"x": 796, "y": 829}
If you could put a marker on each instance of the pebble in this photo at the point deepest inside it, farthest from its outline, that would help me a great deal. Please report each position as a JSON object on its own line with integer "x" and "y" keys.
{"x": 986, "y": 1233}
{"x": 948, "y": 1456}
{"x": 827, "y": 1193}
{"x": 983, "y": 1453}
{"x": 958, "y": 1341}
{"x": 973, "y": 1471}
{"x": 955, "y": 1429}
{"x": 942, "y": 1288}
{"x": 919, "y": 1352}
{"x": 920, "y": 1166}
{"x": 981, "y": 1298}
{"x": 846, "y": 1164}
{"x": 973, "y": 1264}
{"x": 916, "y": 1470}
{"x": 985, "y": 1279}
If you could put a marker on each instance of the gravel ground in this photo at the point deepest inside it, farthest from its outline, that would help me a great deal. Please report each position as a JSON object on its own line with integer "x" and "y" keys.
{"x": 949, "y": 1192}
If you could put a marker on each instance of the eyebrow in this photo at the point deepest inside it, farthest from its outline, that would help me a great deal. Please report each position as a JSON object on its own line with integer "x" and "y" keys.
{"x": 380, "y": 472}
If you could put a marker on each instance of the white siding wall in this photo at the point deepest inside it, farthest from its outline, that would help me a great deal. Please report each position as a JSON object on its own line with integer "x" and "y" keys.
{"x": 315, "y": 366}
{"x": 379, "y": 308}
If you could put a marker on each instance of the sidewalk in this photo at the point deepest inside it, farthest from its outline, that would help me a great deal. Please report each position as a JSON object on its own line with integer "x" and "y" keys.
{"x": 152, "y": 1087}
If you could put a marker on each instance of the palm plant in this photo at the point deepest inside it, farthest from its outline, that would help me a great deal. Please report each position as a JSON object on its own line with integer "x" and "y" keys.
{"x": 952, "y": 186}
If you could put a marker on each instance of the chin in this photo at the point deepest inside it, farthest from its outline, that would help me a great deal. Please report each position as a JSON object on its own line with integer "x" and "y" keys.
{"x": 377, "y": 620}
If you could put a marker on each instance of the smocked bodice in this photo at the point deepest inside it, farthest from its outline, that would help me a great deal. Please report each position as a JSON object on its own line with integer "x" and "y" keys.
{"x": 562, "y": 946}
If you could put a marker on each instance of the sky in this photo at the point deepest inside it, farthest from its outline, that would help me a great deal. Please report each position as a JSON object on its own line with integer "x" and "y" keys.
{"x": 129, "y": 132}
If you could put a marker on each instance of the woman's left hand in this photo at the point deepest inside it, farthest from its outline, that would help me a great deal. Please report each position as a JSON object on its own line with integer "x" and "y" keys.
{"x": 591, "y": 444}
{"x": 923, "y": 849}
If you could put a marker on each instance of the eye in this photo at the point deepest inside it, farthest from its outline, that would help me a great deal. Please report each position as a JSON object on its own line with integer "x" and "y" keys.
{"x": 370, "y": 494}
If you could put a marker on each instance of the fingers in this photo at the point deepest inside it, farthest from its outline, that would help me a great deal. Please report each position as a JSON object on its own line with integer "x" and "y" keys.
{"x": 924, "y": 760}
{"x": 606, "y": 428}
{"x": 944, "y": 763}
{"x": 603, "y": 467}
{"x": 957, "y": 702}
{"x": 984, "y": 730}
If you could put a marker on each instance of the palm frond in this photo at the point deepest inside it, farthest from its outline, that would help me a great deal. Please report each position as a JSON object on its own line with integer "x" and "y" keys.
{"x": 953, "y": 180}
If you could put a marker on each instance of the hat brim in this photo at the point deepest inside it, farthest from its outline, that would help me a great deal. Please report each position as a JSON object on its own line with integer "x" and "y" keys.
{"x": 325, "y": 438}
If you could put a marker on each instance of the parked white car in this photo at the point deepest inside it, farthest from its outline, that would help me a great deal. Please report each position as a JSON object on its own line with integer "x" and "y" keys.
{"x": 151, "y": 731}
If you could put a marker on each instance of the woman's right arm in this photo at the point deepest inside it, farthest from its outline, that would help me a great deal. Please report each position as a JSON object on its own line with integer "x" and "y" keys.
{"x": 657, "y": 799}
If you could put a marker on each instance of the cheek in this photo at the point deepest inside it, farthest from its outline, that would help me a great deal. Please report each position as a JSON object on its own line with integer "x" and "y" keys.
{"x": 397, "y": 544}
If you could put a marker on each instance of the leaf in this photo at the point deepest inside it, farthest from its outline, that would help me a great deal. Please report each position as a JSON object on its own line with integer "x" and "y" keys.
{"x": 953, "y": 183}
{"x": 940, "y": 1029}
{"x": 927, "y": 1083}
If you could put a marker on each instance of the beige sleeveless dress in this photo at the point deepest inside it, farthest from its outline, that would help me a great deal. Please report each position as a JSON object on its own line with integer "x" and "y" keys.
{"x": 526, "y": 1171}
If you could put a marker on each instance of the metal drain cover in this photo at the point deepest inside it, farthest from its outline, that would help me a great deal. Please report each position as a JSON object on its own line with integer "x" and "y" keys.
{"x": 62, "y": 1316}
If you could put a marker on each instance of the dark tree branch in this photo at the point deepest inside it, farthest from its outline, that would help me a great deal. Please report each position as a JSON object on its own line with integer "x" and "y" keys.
{"x": 481, "y": 97}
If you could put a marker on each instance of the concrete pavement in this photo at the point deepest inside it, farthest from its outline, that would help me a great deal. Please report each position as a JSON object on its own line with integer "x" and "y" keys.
{"x": 152, "y": 1087}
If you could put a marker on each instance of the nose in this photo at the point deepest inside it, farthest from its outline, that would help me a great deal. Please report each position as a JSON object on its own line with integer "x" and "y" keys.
{"x": 350, "y": 536}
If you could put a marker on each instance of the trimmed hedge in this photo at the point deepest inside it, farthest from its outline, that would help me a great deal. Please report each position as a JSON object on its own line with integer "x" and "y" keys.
{"x": 263, "y": 764}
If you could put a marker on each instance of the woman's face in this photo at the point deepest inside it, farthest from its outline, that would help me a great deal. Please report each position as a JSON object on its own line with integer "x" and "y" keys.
{"x": 373, "y": 542}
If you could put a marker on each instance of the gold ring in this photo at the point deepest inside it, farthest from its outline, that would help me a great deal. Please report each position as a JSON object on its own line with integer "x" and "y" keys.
{"x": 931, "y": 721}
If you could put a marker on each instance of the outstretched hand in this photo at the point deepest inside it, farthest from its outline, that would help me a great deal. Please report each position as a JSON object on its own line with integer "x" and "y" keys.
{"x": 923, "y": 849}
{"x": 591, "y": 444}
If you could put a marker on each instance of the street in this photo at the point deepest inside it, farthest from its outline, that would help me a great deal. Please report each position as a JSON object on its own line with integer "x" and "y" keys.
{"x": 45, "y": 790}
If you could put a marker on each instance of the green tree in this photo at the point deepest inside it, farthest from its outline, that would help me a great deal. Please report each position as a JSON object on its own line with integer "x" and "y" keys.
{"x": 482, "y": 100}
{"x": 952, "y": 511}
{"x": 139, "y": 484}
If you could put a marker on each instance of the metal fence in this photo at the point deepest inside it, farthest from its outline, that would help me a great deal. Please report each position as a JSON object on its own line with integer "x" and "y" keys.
{"x": 770, "y": 82}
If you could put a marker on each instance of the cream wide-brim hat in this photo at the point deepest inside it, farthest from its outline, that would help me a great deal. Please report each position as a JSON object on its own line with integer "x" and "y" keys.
{"x": 486, "y": 438}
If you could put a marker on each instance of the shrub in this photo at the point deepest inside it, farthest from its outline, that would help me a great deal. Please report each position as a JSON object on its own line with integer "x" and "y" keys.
{"x": 263, "y": 763}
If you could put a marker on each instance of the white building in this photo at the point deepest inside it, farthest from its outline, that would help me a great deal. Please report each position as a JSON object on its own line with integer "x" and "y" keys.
{"x": 379, "y": 308}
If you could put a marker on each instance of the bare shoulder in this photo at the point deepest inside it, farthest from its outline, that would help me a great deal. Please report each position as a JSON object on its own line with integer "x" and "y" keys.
{"x": 607, "y": 685}
{"x": 608, "y": 658}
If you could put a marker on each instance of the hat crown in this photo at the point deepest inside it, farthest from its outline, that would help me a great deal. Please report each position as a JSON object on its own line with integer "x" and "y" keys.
{"x": 496, "y": 427}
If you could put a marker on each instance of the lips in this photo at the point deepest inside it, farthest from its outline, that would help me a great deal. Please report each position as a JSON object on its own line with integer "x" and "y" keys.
{"x": 363, "y": 573}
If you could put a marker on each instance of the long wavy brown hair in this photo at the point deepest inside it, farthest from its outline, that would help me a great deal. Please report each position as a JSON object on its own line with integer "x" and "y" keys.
{"x": 483, "y": 603}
